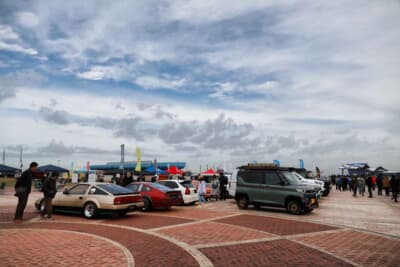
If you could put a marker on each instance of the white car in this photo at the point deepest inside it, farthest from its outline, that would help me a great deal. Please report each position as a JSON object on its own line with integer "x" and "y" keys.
{"x": 189, "y": 192}
{"x": 313, "y": 182}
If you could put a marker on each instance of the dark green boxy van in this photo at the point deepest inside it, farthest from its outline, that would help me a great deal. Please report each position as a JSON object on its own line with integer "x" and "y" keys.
{"x": 273, "y": 186}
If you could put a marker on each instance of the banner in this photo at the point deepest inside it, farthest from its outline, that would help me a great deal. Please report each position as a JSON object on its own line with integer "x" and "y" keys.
{"x": 301, "y": 163}
{"x": 138, "y": 160}
{"x": 74, "y": 178}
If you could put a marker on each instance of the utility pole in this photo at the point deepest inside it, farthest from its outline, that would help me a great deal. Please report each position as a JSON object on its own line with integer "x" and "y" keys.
{"x": 20, "y": 158}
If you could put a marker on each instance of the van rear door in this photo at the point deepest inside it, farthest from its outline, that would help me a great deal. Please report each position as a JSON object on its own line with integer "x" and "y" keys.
{"x": 232, "y": 183}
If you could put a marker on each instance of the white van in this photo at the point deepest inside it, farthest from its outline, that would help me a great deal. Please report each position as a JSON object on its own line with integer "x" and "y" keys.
{"x": 232, "y": 183}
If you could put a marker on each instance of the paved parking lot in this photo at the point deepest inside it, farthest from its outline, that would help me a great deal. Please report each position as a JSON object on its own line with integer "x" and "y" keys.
{"x": 345, "y": 231}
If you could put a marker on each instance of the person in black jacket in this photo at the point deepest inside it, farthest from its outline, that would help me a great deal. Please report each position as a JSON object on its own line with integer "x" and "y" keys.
{"x": 369, "y": 185}
{"x": 49, "y": 190}
{"x": 23, "y": 189}
{"x": 223, "y": 182}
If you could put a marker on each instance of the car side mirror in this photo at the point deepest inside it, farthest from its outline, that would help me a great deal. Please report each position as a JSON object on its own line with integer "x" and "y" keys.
{"x": 282, "y": 183}
{"x": 65, "y": 192}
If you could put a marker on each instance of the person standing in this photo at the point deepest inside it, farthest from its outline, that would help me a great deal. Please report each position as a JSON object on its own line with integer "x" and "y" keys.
{"x": 394, "y": 182}
{"x": 355, "y": 185}
{"x": 361, "y": 185}
{"x": 369, "y": 185}
{"x": 23, "y": 189}
{"x": 379, "y": 184}
{"x": 202, "y": 191}
{"x": 49, "y": 190}
{"x": 215, "y": 187}
{"x": 386, "y": 185}
{"x": 223, "y": 182}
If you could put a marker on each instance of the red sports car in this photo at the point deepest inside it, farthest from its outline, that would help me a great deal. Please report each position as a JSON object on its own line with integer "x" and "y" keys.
{"x": 156, "y": 196}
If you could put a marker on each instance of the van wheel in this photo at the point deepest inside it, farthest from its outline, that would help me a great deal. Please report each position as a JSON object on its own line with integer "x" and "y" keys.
{"x": 90, "y": 210}
{"x": 242, "y": 202}
{"x": 294, "y": 207}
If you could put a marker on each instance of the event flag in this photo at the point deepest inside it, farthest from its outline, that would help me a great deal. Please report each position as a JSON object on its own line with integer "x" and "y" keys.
{"x": 301, "y": 163}
{"x": 139, "y": 160}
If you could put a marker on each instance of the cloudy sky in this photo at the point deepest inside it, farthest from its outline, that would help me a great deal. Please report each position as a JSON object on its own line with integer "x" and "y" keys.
{"x": 206, "y": 82}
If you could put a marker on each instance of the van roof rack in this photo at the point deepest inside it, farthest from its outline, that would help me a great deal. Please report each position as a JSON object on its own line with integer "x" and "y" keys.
{"x": 259, "y": 166}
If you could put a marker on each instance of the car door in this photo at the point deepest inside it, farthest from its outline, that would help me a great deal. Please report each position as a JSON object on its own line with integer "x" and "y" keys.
{"x": 274, "y": 190}
{"x": 74, "y": 197}
{"x": 252, "y": 183}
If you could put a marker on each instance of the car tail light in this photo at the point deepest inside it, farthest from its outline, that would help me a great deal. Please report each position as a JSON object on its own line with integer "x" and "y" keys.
{"x": 126, "y": 200}
{"x": 187, "y": 191}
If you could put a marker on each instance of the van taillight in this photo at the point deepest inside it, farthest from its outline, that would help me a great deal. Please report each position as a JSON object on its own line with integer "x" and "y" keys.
{"x": 187, "y": 191}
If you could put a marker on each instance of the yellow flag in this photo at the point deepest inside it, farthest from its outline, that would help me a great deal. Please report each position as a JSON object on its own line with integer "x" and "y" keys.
{"x": 139, "y": 160}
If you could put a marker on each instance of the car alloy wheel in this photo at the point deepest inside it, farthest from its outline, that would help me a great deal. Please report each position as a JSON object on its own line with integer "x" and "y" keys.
{"x": 294, "y": 207}
{"x": 90, "y": 210}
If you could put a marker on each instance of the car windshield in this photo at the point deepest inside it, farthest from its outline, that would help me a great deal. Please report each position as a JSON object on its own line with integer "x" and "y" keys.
{"x": 115, "y": 189}
{"x": 161, "y": 187}
{"x": 187, "y": 184}
{"x": 298, "y": 176}
{"x": 292, "y": 179}
{"x": 133, "y": 187}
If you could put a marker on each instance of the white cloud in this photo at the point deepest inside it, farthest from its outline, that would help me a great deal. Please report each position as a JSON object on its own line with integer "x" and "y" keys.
{"x": 27, "y": 19}
{"x": 10, "y": 41}
{"x": 7, "y": 33}
{"x": 17, "y": 48}
{"x": 151, "y": 82}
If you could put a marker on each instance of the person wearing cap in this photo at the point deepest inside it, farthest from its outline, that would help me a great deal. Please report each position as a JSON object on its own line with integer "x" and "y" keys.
{"x": 49, "y": 190}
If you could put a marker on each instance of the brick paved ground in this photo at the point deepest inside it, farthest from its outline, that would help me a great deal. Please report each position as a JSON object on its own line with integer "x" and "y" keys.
{"x": 361, "y": 248}
{"x": 275, "y": 225}
{"x": 146, "y": 221}
{"x": 147, "y": 250}
{"x": 47, "y": 248}
{"x": 222, "y": 235}
{"x": 274, "y": 253}
{"x": 212, "y": 233}
{"x": 193, "y": 212}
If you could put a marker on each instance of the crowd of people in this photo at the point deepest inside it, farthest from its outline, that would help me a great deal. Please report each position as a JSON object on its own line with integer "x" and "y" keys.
{"x": 358, "y": 183}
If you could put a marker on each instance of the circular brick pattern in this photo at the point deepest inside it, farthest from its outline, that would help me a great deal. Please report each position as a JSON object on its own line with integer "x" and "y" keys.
{"x": 54, "y": 248}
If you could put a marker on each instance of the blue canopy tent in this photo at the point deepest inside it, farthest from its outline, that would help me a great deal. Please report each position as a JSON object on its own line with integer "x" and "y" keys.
{"x": 52, "y": 168}
{"x": 158, "y": 171}
{"x": 8, "y": 170}
{"x": 355, "y": 168}
{"x": 130, "y": 166}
